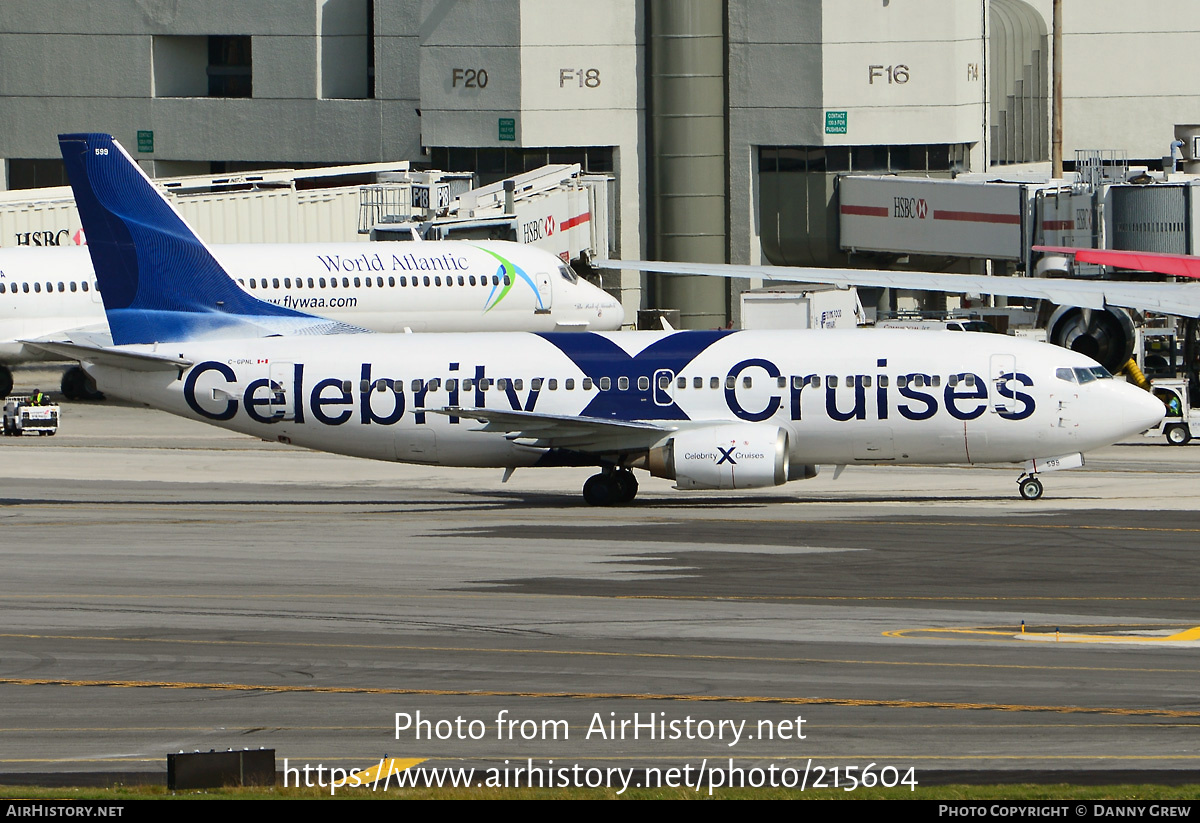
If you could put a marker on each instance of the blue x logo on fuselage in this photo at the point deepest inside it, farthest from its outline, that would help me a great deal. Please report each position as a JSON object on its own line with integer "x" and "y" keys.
{"x": 598, "y": 358}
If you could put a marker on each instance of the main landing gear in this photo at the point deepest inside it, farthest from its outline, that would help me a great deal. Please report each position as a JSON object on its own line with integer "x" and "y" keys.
{"x": 1029, "y": 487}
{"x": 76, "y": 385}
{"x": 612, "y": 487}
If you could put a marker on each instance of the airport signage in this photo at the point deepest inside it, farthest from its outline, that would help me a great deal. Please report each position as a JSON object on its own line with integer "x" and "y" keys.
{"x": 835, "y": 122}
{"x": 145, "y": 141}
{"x": 508, "y": 129}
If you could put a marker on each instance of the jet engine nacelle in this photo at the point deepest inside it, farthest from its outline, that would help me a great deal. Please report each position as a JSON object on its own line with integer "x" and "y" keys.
{"x": 1106, "y": 336}
{"x": 737, "y": 456}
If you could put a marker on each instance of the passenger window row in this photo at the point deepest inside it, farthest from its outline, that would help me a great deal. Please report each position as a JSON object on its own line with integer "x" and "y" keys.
{"x": 378, "y": 282}
{"x": 36, "y": 287}
{"x": 664, "y": 382}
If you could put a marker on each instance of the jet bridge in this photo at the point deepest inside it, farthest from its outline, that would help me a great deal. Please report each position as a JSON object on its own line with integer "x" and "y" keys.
{"x": 277, "y": 206}
{"x": 558, "y": 208}
{"x": 998, "y": 217}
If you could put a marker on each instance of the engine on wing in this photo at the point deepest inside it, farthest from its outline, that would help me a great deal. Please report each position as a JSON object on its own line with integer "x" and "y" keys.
{"x": 1103, "y": 335}
{"x": 741, "y": 456}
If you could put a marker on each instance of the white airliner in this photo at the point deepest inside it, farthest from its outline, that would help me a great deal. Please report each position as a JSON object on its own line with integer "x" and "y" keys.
{"x": 709, "y": 409}
{"x": 50, "y": 294}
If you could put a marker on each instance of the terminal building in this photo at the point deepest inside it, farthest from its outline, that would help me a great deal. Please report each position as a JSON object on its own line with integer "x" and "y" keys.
{"x": 724, "y": 124}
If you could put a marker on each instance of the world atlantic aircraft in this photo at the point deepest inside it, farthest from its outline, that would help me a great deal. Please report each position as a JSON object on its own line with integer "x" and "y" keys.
{"x": 709, "y": 409}
{"x": 50, "y": 293}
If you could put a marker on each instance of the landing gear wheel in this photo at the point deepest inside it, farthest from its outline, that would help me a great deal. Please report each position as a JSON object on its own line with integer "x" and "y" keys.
{"x": 6, "y": 381}
{"x": 76, "y": 385}
{"x": 627, "y": 485}
{"x": 601, "y": 490}
{"x": 1178, "y": 434}
{"x": 1030, "y": 488}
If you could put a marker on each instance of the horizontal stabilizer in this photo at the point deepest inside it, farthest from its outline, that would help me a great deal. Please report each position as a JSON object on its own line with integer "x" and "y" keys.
{"x": 117, "y": 358}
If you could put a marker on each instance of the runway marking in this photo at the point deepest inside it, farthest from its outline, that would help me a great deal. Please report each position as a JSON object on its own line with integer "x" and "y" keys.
{"x": 63, "y": 760}
{"x": 851, "y": 521}
{"x": 224, "y": 730}
{"x": 955, "y": 524}
{"x": 483, "y": 595}
{"x": 585, "y": 653}
{"x": 393, "y": 765}
{"x": 499, "y": 516}
{"x": 1190, "y": 635}
{"x": 898, "y": 597}
{"x": 684, "y": 698}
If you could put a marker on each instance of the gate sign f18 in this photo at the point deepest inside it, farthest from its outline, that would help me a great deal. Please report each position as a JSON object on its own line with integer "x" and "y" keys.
{"x": 942, "y": 217}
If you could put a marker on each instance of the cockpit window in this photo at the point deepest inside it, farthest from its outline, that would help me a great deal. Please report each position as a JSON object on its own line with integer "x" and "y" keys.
{"x": 1066, "y": 374}
{"x": 568, "y": 273}
{"x": 1084, "y": 375}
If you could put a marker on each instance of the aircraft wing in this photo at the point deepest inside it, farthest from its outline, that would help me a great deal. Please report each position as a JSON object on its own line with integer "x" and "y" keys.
{"x": 1180, "y": 265}
{"x": 1180, "y": 299}
{"x": 588, "y": 434}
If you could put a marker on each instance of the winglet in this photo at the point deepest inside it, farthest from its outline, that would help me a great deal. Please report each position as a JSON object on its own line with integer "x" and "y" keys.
{"x": 158, "y": 279}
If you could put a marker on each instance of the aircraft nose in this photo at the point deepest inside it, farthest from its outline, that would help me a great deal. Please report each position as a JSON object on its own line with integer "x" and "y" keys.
{"x": 616, "y": 314}
{"x": 604, "y": 312}
{"x": 1142, "y": 409}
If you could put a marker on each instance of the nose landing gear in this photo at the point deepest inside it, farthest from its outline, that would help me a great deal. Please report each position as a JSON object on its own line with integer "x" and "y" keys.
{"x": 1029, "y": 487}
{"x": 611, "y": 487}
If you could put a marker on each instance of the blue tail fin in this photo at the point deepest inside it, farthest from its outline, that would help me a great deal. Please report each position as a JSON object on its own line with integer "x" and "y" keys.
{"x": 159, "y": 281}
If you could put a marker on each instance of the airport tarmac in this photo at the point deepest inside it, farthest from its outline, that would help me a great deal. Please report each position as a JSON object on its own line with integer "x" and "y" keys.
{"x": 170, "y": 586}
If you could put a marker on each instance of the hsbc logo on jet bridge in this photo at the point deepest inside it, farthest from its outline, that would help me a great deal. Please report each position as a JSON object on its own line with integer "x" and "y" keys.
{"x": 216, "y": 391}
{"x": 913, "y": 208}
{"x": 536, "y": 230}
